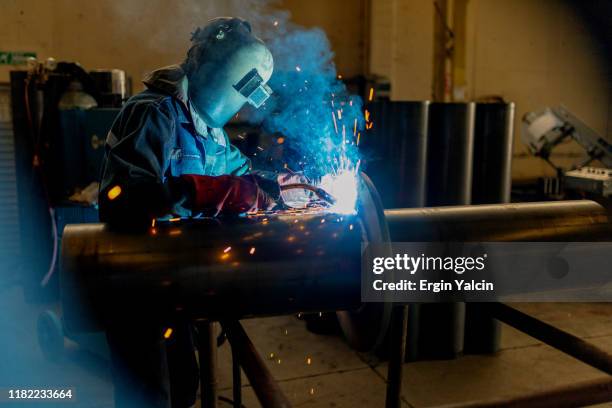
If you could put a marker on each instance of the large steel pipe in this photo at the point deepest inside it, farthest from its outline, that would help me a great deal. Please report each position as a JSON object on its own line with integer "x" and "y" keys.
{"x": 214, "y": 269}
{"x": 277, "y": 264}
{"x": 578, "y": 220}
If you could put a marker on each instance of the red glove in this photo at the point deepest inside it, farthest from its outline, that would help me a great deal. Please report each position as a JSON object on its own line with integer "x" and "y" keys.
{"x": 226, "y": 194}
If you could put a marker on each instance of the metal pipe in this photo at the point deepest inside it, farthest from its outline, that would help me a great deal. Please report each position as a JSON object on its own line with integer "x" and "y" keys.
{"x": 275, "y": 264}
{"x": 491, "y": 184}
{"x": 236, "y": 380}
{"x": 580, "y": 394}
{"x": 397, "y": 355}
{"x": 578, "y": 220}
{"x": 207, "y": 352}
{"x": 265, "y": 387}
{"x": 552, "y": 336}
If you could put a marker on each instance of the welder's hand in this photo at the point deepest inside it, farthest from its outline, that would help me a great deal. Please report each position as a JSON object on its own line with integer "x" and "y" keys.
{"x": 226, "y": 194}
{"x": 298, "y": 197}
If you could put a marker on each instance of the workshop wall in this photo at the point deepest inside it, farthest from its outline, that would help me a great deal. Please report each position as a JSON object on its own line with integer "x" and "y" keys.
{"x": 538, "y": 54}
{"x": 401, "y": 46}
{"x": 141, "y": 35}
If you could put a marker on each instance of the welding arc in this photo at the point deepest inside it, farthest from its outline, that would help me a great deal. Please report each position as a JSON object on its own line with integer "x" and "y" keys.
{"x": 322, "y": 194}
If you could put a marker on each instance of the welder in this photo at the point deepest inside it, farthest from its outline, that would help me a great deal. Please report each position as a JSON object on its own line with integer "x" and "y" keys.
{"x": 168, "y": 156}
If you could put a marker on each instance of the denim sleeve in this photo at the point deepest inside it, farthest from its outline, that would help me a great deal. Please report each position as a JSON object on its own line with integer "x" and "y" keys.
{"x": 134, "y": 189}
{"x": 237, "y": 163}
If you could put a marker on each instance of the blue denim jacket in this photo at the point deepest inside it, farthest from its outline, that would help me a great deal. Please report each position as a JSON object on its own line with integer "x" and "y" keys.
{"x": 153, "y": 139}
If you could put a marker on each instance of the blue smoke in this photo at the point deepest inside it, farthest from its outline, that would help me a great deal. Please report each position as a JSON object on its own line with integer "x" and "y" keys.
{"x": 308, "y": 98}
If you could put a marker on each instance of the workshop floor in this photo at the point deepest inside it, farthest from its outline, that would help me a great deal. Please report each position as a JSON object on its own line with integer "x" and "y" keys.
{"x": 321, "y": 371}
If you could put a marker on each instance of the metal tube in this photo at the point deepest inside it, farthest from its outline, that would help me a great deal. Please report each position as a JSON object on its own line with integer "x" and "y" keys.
{"x": 491, "y": 184}
{"x": 397, "y": 355}
{"x": 449, "y": 153}
{"x": 493, "y": 138}
{"x": 207, "y": 352}
{"x": 396, "y": 151}
{"x": 236, "y": 379}
{"x": 298, "y": 263}
{"x": 552, "y": 336}
{"x": 580, "y": 394}
{"x": 440, "y": 326}
{"x": 265, "y": 387}
{"x": 273, "y": 264}
{"x": 579, "y": 220}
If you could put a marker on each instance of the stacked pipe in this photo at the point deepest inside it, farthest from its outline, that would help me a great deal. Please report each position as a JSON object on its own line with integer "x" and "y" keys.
{"x": 437, "y": 154}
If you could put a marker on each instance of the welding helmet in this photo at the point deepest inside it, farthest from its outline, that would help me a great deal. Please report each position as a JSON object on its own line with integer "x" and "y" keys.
{"x": 227, "y": 66}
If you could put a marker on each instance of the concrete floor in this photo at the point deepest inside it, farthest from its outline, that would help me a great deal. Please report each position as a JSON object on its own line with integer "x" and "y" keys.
{"x": 322, "y": 371}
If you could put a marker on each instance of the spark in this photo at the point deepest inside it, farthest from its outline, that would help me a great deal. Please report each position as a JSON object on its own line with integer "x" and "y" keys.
{"x": 311, "y": 391}
{"x": 369, "y": 125}
{"x": 339, "y": 114}
{"x": 358, "y": 137}
{"x": 323, "y": 221}
{"x": 280, "y": 140}
{"x": 309, "y": 361}
{"x": 367, "y": 115}
{"x": 168, "y": 333}
{"x": 351, "y": 227}
{"x": 175, "y": 232}
{"x": 298, "y": 69}
{"x": 355, "y": 127}
{"x": 271, "y": 356}
{"x": 342, "y": 186}
{"x": 153, "y": 223}
{"x": 114, "y": 192}
{"x": 276, "y": 24}
{"x": 252, "y": 250}
{"x": 335, "y": 124}
{"x": 226, "y": 250}
{"x": 175, "y": 219}
{"x": 371, "y": 96}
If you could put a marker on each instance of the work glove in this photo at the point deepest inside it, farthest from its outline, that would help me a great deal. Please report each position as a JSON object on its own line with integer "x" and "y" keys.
{"x": 225, "y": 194}
{"x": 298, "y": 197}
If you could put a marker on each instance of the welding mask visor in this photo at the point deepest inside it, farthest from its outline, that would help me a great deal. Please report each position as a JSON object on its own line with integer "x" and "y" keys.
{"x": 227, "y": 67}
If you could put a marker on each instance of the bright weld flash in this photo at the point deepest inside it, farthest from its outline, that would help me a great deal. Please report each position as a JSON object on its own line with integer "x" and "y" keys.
{"x": 343, "y": 187}
{"x": 113, "y": 193}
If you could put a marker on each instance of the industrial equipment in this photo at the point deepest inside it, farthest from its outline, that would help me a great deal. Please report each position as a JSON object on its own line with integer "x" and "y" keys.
{"x": 542, "y": 131}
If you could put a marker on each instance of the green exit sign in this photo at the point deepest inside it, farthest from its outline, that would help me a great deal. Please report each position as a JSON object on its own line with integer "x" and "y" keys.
{"x": 15, "y": 57}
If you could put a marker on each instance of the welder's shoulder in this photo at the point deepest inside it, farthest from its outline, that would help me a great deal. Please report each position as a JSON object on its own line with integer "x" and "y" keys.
{"x": 150, "y": 101}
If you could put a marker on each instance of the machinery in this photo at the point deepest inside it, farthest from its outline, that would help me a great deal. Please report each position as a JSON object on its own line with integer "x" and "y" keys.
{"x": 287, "y": 262}
{"x": 543, "y": 131}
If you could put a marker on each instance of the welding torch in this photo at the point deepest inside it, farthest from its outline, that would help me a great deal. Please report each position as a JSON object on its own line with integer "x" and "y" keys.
{"x": 319, "y": 192}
